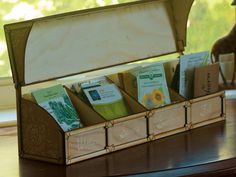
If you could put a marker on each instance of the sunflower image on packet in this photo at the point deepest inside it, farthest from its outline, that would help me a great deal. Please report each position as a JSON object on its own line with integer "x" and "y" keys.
{"x": 152, "y": 87}
{"x": 154, "y": 99}
{"x": 158, "y": 97}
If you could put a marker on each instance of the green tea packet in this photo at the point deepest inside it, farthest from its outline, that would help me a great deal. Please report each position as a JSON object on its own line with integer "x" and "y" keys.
{"x": 57, "y": 103}
{"x": 107, "y": 101}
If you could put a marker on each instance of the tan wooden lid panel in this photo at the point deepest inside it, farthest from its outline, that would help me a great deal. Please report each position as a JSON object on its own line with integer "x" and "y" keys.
{"x": 85, "y": 42}
{"x": 82, "y": 41}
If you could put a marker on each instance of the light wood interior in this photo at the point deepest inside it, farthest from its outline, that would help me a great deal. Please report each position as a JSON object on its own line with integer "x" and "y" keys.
{"x": 134, "y": 106}
{"x": 170, "y": 67}
{"x": 87, "y": 114}
{"x": 85, "y": 111}
{"x": 175, "y": 97}
{"x": 128, "y": 83}
{"x": 116, "y": 80}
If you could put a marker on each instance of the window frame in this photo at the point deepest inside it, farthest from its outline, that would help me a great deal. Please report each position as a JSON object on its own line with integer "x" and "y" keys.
{"x": 7, "y": 93}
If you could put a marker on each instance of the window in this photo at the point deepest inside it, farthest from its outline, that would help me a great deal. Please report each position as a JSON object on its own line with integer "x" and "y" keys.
{"x": 208, "y": 21}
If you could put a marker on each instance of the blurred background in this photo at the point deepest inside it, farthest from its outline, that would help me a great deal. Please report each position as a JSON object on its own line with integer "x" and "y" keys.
{"x": 208, "y": 20}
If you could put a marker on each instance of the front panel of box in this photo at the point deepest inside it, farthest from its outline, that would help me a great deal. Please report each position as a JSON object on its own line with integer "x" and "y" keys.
{"x": 86, "y": 142}
{"x": 206, "y": 109}
{"x": 164, "y": 120}
{"x": 127, "y": 131}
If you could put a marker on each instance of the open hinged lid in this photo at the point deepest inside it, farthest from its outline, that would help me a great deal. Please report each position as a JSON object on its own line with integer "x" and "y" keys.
{"x": 82, "y": 41}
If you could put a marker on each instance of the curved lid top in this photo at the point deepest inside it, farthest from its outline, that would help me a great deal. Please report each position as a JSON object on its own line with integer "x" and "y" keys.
{"x": 81, "y": 41}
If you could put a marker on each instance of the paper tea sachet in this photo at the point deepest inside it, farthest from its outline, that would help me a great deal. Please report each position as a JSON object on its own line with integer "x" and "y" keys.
{"x": 206, "y": 80}
{"x": 187, "y": 65}
{"x": 57, "y": 103}
{"x": 152, "y": 87}
{"x": 76, "y": 87}
{"x": 107, "y": 101}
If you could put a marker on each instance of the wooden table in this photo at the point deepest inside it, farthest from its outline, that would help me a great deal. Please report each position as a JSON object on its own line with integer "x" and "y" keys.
{"x": 205, "y": 151}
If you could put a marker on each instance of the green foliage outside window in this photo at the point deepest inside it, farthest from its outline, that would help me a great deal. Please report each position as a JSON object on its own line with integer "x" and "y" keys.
{"x": 208, "y": 20}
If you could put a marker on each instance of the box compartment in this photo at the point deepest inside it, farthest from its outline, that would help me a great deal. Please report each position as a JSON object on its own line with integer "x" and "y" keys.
{"x": 163, "y": 121}
{"x": 125, "y": 131}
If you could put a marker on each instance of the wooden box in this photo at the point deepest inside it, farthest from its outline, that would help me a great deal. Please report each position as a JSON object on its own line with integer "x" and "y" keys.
{"x": 82, "y": 42}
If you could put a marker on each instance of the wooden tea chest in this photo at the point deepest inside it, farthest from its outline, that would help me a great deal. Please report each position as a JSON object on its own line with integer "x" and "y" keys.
{"x": 95, "y": 40}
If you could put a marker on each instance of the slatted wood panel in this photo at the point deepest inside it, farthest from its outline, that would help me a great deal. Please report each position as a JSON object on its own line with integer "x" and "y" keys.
{"x": 127, "y": 131}
{"x": 86, "y": 142}
{"x": 206, "y": 110}
{"x": 167, "y": 119}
